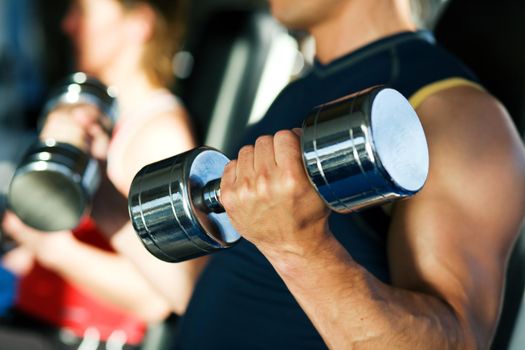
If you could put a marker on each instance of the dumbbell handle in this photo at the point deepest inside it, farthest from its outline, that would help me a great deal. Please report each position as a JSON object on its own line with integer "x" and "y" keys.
{"x": 208, "y": 198}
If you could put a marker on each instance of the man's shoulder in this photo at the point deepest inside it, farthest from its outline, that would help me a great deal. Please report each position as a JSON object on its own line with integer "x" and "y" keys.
{"x": 468, "y": 118}
{"x": 464, "y": 101}
{"x": 425, "y": 66}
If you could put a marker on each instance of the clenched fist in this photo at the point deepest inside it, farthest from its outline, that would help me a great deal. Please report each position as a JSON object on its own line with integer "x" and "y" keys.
{"x": 270, "y": 200}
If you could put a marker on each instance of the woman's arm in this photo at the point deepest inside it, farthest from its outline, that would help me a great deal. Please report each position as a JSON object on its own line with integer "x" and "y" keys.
{"x": 162, "y": 136}
{"x": 105, "y": 275}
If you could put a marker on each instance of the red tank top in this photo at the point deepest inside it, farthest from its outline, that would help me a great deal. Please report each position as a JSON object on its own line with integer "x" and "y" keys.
{"x": 45, "y": 295}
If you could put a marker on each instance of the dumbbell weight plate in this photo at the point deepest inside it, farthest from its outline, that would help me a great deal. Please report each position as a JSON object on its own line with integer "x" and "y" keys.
{"x": 50, "y": 186}
{"x": 161, "y": 201}
{"x": 364, "y": 150}
{"x": 79, "y": 88}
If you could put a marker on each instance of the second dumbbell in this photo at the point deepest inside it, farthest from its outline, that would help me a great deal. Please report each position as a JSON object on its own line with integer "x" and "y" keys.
{"x": 54, "y": 183}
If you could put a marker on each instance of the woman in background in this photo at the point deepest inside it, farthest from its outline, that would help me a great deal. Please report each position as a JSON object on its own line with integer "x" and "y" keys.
{"x": 74, "y": 283}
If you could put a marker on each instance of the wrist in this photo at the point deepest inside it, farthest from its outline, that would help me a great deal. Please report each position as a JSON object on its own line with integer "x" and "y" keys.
{"x": 292, "y": 260}
{"x": 56, "y": 252}
{"x": 299, "y": 241}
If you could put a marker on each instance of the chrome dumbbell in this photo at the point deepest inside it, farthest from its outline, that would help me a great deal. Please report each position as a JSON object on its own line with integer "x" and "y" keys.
{"x": 363, "y": 150}
{"x": 53, "y": 185}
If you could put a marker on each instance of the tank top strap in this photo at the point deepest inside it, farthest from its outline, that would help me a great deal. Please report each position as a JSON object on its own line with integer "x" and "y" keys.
{"x": 420, "y": 95}
{"x": 160, "y": 102}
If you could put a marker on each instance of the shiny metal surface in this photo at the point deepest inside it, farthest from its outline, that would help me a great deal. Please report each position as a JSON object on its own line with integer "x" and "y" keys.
{"x": 163, "y": 212}
{"x": 53, "y": 185}
{"x": 364, "y": 150}
{"x": 80, "y": 88}
{"x": 208, "y": 199}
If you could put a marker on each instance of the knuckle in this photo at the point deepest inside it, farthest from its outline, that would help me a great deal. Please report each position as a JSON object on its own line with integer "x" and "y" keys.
{"x": 284, "y": 135}
{"x": 264, "y": 140}
{"x": 245, "y": 150}
{"x": 230, "y": 197}
{"x": 263, "y": 182}
{"x": 230, "y": 166}
{"x": 245, "y": 188}
{"x": 227, "y": 198}
{"x": 292, "y": 181}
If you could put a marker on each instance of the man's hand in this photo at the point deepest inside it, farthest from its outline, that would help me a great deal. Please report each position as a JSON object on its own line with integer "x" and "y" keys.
{"x": 270, "y": 200}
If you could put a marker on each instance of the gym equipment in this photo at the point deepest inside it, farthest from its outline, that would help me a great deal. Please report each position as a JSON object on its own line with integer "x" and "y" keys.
{"x": 365, "y": 149}
{"x": 53, "y": 185}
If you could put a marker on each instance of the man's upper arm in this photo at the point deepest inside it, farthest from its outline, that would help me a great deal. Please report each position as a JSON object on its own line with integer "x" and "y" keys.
{"x": 453, "y": 239}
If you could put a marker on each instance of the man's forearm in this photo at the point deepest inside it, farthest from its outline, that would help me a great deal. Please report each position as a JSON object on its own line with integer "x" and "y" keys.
{"x": 352, "y": 309}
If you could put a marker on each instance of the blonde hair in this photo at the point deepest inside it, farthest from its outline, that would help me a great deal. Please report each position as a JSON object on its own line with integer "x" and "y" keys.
{"x": 168, "y": 32}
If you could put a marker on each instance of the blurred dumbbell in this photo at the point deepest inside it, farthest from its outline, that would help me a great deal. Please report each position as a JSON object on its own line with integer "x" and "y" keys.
{"x": 53, "y": 185}
{"x": 363, "y": 150}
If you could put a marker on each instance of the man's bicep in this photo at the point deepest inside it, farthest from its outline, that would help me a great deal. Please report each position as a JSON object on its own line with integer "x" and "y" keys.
{"x": 452, "y": 240}
{"x": 434, "y": 250}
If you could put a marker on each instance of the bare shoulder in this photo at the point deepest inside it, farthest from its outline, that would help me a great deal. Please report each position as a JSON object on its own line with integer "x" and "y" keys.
{"x": 162, "y": 136}
{"x": 476, "y": 155}
{"x": 469, "y": 130}
{"x": 473, "y": 114}
{"x": 477, "y": 168}
{"x": 175, "y": 125}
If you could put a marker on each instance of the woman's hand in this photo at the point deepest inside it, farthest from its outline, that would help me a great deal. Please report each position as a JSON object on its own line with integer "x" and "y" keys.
{"x": 18, "y": 261}
{"x": 49, "y": 248}
{"x": 79, "y": 126}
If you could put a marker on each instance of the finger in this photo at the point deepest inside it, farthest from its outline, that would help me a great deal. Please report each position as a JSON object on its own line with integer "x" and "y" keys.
{"x": 95, "y": 130}
{"x": 85, "y": 115}
{"x": 298, "y": 132}
{"x": 10, "y": 222}
{"x": 15, "y": 228}
{"x": 287, "y": 150}
{"x": 264, "y": 157}
{"x": 96, "y": 134}
{"x": 229, "y": 175}
{"x": 245, "y": 161}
